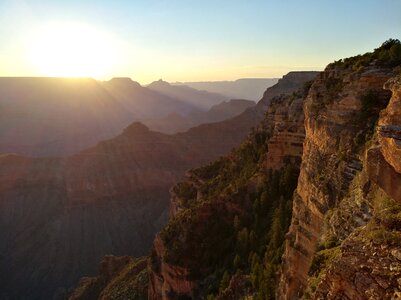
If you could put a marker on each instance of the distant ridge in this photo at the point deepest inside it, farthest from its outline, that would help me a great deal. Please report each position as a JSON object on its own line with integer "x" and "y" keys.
{"x": 244, "y": 88}
{"x": 42, "y": 116}
{"x": 202, "y": 100}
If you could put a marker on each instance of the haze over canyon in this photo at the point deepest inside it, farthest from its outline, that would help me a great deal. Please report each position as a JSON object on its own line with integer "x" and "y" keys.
{"x": 200, "y": 150}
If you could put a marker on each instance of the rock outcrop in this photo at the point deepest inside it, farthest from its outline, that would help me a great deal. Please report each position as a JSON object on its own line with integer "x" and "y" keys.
{"x": 341, "y": 166}
{"x": 389, "y": 126}
{"x": 368, "y": 265}
{"x": 385, "y": 160}
{"x": 364, "y": 269}
{"x": 286, "y": 143}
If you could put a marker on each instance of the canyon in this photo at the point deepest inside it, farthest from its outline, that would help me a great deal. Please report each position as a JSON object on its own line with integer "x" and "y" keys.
{"x": 307, "y": 207}
{"x": 60, "y": 215}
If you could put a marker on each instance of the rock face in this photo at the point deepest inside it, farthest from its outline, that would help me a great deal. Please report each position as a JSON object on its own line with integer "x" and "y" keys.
{"x": 369, "y": 263}
{"x": 364, "y": 270}
{"x": 385, "y": 163}
{"x": 337, "y": 183}
{"x": 389, "y": 126}
{"x": 173, "y": 280}
{"x": 286, "y": 144}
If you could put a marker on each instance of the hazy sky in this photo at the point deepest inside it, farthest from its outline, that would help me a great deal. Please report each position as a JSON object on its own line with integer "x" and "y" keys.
{"x": 188, "y": 40}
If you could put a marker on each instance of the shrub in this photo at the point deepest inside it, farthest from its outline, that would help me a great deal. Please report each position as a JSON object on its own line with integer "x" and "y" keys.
{"x": 322, "y": 259}
{"x": 185, "y": 190}
{"x": 388, "y": 54}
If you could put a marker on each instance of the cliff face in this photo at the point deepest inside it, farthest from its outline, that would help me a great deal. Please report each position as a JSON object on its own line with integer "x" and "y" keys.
{"x": 384, "y": 160}
{"x": 334, "y": 196}
{"x": 368, "y": 264}
{"x": 217, "y": 202}
{"x": 286, "y": 143}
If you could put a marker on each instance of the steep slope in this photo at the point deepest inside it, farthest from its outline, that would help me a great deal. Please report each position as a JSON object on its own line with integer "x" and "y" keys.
{"x": 340, "y": 213}
{"x": 368, "y": 262}
{"x": 201, "y": 100}
{"x": 244, "y": 88}
{"x": 173, "y": 123}
{"x": 222, "y": 228}
{"x": 233, "y": 131}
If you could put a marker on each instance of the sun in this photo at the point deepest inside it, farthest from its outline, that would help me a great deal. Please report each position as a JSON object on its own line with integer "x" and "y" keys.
{"x": 72, "y": 50}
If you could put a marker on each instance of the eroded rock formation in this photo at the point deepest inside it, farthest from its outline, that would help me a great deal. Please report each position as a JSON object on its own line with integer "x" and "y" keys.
{"x": 334, "y": 131}
{"x": 368, "y": 263}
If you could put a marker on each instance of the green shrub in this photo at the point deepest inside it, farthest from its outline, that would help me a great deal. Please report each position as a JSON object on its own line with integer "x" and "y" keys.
{"x": 380, "y": 235}
{"x": 322, "y": 260}
{"x": 333, "y": 87}
{"x": 388, "y": 54}
{"x": 185, "y": 190}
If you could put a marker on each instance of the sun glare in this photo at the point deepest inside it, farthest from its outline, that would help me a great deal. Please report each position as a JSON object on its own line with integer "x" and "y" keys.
{"x": 72, "y": 50}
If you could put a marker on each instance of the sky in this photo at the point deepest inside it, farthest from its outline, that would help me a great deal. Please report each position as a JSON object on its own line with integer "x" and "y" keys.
{"x": 188, "y": 40}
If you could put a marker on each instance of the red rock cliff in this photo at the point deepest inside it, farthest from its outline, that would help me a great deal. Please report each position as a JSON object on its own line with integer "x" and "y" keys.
{"x": 330, "y": 201}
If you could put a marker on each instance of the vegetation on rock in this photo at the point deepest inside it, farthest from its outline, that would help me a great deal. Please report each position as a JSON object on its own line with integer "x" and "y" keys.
{"x": 387, "y": 55}
{"x": 234, "y": 232}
